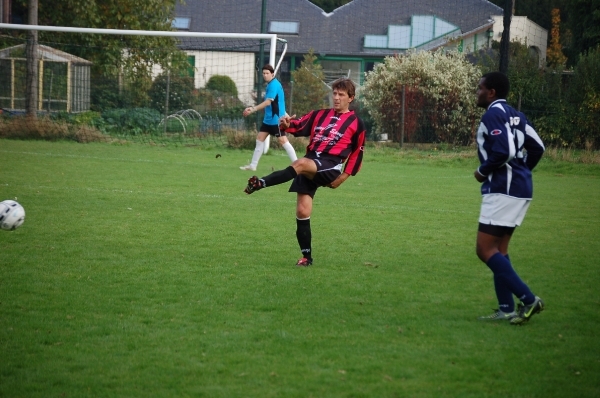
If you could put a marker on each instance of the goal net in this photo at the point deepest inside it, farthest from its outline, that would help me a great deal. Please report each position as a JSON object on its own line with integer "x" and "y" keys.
{"x": 185, "y": 88}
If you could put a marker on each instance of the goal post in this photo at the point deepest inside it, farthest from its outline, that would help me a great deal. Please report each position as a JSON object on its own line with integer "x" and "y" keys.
{"x": 141, "y": 98}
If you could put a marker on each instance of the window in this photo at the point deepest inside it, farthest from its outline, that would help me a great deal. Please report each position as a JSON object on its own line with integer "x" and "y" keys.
{"x": 182, "y": 23}
{"x": 422, "y": 30}
{"x": 376, "y": 41}
{"x": 191, "y": 69}
{"x": 284, "y": 27}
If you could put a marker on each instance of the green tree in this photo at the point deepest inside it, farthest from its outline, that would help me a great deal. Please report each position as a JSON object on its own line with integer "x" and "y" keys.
{"x": 584, "y": 93}
{"x": 583, "y": 22}
{"x": 130, "y": 57}
{"x": 309, "y": 91}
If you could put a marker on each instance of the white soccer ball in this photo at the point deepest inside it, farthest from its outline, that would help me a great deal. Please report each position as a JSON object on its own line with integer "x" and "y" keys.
{"x": 12, "y": 215}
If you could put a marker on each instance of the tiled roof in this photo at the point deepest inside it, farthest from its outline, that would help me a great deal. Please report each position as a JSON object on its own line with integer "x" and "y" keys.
{"x": 340, "y": 32}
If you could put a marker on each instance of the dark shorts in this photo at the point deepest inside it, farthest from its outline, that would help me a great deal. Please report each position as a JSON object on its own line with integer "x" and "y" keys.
{"x": 272, "y": 130}
{"x": 328, "y": 169}
{"x": 495, "y": 230}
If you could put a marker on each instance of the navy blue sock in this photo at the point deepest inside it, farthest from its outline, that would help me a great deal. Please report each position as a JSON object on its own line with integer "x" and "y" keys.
{"x": 280, "y": 176}
{"x": 304, "y": 235}
{"x": 503, "y": 270}
{"x": 506, "y": 301}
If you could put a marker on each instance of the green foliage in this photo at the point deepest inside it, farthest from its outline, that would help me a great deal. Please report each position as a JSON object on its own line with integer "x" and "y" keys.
{"x": 131, "y": 55}
{"x": 564, "y": 108}
{"x": 219, "y": 105}
{"x": 223, "y": 84}
{"x": 181, "y": 93}
{"x": 441, "y": 82}
{"x": 131, "y": 121}
{"x": 83, "y": 118}
{"x": 309, "y": 91}
{"x": 583, "y": 21}
{"x": 106, "y": 94}
{"x": 584, "y": 93}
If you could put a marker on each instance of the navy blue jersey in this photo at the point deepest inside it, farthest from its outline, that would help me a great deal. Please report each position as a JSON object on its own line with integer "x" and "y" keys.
{"x": 508, "y": 148}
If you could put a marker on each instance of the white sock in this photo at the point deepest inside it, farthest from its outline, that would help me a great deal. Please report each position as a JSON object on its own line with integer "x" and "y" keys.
{"x": 258, "y": 151}
{"x": 290, "y": 151}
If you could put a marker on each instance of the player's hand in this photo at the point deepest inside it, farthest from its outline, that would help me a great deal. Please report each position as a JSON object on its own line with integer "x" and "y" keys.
{"x": 284, "y": 121}
{"x": 479, "y": 177}
{"x": 338, "y": 181}
{"x": 248, "y": 111}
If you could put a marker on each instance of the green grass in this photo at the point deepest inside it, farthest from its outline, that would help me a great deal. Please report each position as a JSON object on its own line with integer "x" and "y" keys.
{"x": 145, "y": 271}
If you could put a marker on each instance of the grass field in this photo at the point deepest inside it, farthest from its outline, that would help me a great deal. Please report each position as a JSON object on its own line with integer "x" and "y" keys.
{"x": 146, "y": 272}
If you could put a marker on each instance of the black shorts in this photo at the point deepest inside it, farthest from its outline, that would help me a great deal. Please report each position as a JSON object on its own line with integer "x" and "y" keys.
{"x": 272, "y": 130}
{"x": 328, "y": 169}
{"x": 495, "y": 230}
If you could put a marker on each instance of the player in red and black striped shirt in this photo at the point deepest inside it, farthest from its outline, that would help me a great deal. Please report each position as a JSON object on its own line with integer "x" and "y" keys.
{"x": 334, "y": 153}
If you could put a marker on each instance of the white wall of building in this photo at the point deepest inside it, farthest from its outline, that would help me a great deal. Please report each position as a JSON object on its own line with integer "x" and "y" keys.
{"x": 525, "y": 31}
{"x": 238, "y": 66}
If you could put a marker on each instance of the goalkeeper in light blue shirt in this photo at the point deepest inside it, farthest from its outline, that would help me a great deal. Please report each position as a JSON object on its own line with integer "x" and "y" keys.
{"x": 274, "y": 106}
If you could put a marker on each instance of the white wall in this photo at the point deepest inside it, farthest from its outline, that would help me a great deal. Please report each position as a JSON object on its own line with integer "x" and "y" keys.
{"x": 525, "y": 31}
{"x": 238, "y": 66}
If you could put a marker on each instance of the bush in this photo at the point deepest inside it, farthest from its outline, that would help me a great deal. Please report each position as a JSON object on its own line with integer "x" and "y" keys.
{"x": 441, "y": 82}
{"x": 43, "y": 128}
{"x": 584, "y": 95}
{"x": 181, "y": 93}
{"x": 133, "y": 121}
{"x": 217, "y": 104}
{"x": 223, "y": 84}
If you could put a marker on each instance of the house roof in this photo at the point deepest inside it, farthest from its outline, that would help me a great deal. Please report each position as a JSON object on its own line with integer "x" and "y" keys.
{"x": 340, "y": 32}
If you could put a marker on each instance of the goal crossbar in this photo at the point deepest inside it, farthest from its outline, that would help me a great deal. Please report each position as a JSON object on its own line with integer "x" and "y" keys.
{"x": 268, "y": 36}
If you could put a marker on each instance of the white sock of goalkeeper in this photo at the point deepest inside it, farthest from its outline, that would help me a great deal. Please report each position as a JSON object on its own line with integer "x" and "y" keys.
{"x": 258, "y": 151}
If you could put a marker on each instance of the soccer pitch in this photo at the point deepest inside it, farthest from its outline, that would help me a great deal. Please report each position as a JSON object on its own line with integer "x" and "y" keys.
{"x": 146, "y": 271}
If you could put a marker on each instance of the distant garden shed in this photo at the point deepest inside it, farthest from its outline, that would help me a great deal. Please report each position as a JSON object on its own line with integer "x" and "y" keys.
{"x": 64, "y": 80}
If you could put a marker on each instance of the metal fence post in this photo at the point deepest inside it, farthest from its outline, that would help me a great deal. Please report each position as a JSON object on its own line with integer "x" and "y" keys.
{"x": 402, "y": 116}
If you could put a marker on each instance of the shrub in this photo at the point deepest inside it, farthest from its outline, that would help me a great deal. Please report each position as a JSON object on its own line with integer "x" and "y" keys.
{"x": 584, "y": 94}
{"x": 43, "y": 128}
{"x": 223, "y": 84}
{"x": 442, "y": 82}
{"x": 181, "y": 93}
{"x": 133, "y": 121}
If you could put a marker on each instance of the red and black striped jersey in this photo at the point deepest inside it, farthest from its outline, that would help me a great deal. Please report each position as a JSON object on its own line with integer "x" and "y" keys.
{"x": 334, "y": 134}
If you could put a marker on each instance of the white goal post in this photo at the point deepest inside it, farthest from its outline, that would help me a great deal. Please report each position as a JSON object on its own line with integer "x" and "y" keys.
{"x": 268, "y": 36}
{"x": 209, "y": 54}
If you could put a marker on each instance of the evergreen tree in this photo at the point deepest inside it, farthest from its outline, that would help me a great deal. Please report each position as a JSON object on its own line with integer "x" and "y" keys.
{"x": 309, "y": 90}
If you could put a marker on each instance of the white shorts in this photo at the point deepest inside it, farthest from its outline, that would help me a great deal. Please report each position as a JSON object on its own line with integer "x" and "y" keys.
{"x": 502, "y": 210}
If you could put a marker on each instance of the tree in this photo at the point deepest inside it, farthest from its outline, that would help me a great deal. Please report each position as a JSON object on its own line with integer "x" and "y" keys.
{"x": 583, "y": 22}
{"x": 309, "y": 91}
{"x": 554, "y": 54}
{"x": 584, "y": 93}
{"x": 131, "y": 57}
